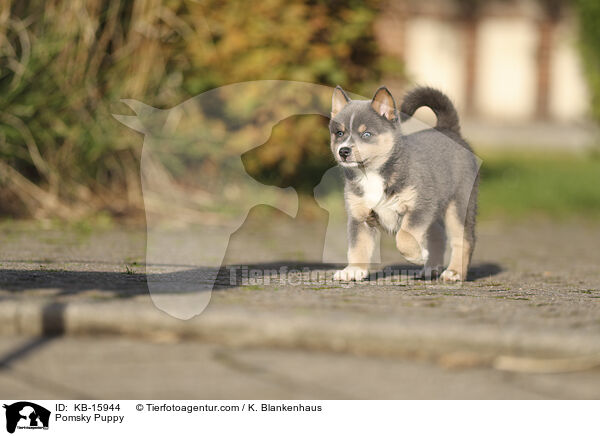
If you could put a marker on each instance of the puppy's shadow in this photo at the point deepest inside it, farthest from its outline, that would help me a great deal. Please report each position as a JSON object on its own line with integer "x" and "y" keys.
{"x": 483, "y": 270}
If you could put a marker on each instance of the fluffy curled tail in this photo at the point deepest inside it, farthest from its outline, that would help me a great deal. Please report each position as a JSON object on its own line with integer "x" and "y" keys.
{"x": 440, "y": 104}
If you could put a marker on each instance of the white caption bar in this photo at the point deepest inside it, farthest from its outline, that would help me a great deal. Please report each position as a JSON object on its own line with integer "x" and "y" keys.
{"x": 292, "y": 417}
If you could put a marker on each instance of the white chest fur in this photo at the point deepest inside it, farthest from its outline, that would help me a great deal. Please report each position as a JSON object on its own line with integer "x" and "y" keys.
{"x": 372, "y": 188}
{"x": 389, "y": 209}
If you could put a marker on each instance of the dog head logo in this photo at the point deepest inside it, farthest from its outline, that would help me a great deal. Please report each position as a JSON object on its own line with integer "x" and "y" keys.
{"x": 192, "y": 173}
{"x": 26, "y": 415}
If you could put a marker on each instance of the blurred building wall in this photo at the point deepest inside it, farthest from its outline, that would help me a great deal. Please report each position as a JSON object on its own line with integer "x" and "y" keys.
{"x": 498, "y": 60}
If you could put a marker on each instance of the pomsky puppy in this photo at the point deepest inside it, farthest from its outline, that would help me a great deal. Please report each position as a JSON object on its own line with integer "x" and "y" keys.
{"x": 420, "y": 187}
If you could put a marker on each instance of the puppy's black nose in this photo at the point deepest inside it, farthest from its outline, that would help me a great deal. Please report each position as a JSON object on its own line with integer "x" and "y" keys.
{"x": 344, "y": 152}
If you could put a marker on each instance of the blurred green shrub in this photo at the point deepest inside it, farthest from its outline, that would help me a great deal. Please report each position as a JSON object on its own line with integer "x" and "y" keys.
{"x": 65, "y": 64}
{"x": 589, "y": 19}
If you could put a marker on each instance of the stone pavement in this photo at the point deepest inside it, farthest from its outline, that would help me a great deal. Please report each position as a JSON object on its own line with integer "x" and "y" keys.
{"x": 76, "y": 321}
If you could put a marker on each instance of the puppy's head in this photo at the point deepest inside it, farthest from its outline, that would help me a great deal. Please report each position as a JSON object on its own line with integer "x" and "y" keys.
{"x": 362, "y": 131}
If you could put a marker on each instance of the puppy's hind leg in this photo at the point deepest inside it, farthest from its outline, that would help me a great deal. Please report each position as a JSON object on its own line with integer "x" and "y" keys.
{"x": 362, "y": 241}
{"x": 436, "y": 245}
{"x": 461, "y": 229}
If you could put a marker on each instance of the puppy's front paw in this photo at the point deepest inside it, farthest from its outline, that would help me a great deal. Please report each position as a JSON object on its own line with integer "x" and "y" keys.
{"x": 451, "y": 276}
{"x": 351, "y": 273}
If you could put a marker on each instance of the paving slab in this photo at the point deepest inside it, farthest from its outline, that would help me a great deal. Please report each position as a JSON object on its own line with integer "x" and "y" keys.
{"x": 110, "y": 367}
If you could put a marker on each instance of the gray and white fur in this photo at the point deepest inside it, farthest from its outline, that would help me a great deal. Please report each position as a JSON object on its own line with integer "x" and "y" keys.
{"x": 420, "y": 187}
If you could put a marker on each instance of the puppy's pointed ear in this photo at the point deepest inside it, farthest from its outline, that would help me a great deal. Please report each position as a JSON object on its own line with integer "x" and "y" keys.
{"x": 338, "y": 101}
{"x": 383, "y": 103}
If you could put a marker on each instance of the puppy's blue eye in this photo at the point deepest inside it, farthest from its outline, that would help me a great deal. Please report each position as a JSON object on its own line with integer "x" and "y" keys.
{"x": 366, "y": 134}
{"x": 340, "y": 133}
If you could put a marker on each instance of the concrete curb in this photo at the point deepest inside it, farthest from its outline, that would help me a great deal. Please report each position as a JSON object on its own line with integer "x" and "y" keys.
{"x": 238, "y": 327}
